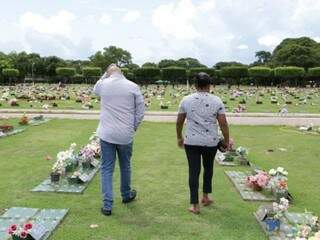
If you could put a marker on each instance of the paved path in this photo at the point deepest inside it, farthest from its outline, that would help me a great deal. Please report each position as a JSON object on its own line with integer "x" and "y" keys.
{"x": 237, "y": 119}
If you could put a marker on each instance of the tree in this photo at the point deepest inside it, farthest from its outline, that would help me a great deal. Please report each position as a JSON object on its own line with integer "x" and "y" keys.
{"x": 66, "y": 73}
{"x": 10, "y": 73}
{"x": 261, "y": 75}
{"x": 167, "y": 63}
{"x": 174, "y": 74}
{"x": 220, "y": 65}
{"x": 234, "y": 74}
{"x": 52, "y": 63}
{"x": 147, "y": 75}
{"x": 110, "y": 55}
{"x": 301, "y": 52}
{"x": 289, "y": 74}
{"x": 150, "y": 64}
{"x": 313, "y": 74}
{"x": 127, "y": 73}
{"x": 131, "y": 66}
{"x": 91, "y": 73}
{"x": 263, "y": 57}
{"x": 189, "y": 63}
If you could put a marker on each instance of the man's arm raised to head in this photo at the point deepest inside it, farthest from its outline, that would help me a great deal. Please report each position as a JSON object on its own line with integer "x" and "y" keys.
{"x": 97, "y": 86}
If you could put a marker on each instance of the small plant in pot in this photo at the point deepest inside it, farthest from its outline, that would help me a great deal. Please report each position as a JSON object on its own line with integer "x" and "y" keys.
{"x": 56, "y": 172}
{"x": 18, "y": 233}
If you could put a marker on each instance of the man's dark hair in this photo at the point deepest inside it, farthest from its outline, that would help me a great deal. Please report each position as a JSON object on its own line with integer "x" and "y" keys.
{"x": 202, "y": 80}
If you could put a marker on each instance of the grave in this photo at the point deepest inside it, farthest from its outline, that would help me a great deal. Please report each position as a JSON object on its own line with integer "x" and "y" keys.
{"x": 66, "y": 187}
{"x": 248, "y": 194}
{"x": 287, "y": 223}
{"x": 44, "y": 221}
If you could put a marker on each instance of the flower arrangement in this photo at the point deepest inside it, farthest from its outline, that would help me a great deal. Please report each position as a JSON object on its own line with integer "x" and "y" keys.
{"x": 279, "y": 182}
{"x": 24, "y": 120}
{"x": 258, "y": 181}
{"x": 17, "y": 232}
{"x": 280, "y": 208}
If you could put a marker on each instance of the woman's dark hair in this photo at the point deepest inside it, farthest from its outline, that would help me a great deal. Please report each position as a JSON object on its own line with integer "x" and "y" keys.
{"x": 202, "y": 80}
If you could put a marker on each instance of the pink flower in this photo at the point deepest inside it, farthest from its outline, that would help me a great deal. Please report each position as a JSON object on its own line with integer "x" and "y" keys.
{"x": 23, "y": 235}
{"x": 262, "y": 179}
{"x": 13, "y": 228}
{"x": 27, "y": 226}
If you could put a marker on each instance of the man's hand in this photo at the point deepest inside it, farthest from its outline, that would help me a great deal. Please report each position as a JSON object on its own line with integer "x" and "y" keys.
{"x": 180, "y": 143}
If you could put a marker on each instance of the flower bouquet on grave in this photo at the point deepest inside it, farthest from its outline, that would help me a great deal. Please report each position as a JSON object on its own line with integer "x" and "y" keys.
{"x": 74, "y": 178}
{"x": 18, "y": 233}
{"x": 24, "y": 120}
{"x": 6, "y": 128}
{"x": 242, "y": 154}
{"x": 95, "y": 145}
{"x": 279, "y": 183}
{"x": 71, "y": 158}
{"x": 87, "y": 155}
{"x": 259, "y": 181}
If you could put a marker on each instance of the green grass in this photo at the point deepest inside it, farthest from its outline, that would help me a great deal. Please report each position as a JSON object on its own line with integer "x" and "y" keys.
{"x": 160, "y": 176}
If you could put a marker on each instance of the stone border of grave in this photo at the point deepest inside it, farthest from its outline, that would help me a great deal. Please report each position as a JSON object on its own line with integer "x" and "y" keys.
{"x": 14, "y": 132}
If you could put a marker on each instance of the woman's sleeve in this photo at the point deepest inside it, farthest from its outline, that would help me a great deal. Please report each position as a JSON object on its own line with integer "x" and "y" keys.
{"x": 182, "y": 107}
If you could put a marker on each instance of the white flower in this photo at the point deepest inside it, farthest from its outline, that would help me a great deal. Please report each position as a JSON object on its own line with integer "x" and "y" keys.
{"x": 73, "y": 145}
{"x": 280, "y": 169}
{"x": 272, "y": 172}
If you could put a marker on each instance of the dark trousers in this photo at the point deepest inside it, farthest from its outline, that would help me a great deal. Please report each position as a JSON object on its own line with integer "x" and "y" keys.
{"x": 194, "y": 155}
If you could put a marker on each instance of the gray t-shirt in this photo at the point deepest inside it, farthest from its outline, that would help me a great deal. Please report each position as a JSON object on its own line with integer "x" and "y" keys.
{"x": 122, "y": 109}
{"x": 201, "y": 109}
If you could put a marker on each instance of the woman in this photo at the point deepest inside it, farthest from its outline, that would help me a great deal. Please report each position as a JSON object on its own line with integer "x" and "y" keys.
{"x": 202, "y": 111}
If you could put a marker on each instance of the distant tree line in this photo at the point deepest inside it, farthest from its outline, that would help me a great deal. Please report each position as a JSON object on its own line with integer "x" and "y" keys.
{"x": 294, "y": 62}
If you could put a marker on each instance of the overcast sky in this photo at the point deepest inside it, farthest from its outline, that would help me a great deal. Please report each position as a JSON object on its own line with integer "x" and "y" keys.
{"x": 210, "y": 30}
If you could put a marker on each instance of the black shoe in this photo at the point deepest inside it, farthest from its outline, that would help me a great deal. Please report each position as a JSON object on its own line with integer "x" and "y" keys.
{"x": 132, "y": 197}
{"x": 106, "y": 212}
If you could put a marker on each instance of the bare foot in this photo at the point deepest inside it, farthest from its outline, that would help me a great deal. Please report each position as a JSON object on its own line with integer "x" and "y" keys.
{"x": 206, "y": 201}
{"x": 195, "y": 209}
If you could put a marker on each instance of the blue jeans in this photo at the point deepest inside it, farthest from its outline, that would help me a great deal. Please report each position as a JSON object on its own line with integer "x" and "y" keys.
{"x": 109, "y": 151}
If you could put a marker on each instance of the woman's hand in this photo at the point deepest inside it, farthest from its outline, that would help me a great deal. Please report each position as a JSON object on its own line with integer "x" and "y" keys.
{"x": 180, "y": 143}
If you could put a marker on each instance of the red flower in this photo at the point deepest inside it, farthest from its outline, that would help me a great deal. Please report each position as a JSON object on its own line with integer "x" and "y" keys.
{"x": 10, "y": 232}
{"x": 23, "y": 235}
{"x": 27, "y": 226}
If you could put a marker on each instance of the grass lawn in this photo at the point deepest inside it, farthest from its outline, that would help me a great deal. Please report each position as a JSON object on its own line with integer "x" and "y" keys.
{"x": 160, "y": 176}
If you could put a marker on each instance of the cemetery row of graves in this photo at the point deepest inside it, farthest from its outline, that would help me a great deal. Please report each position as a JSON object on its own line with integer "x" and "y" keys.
{"x": 163, "y": 98}
{"x": 231, "y": 75}
{"x": 73, "y": 170}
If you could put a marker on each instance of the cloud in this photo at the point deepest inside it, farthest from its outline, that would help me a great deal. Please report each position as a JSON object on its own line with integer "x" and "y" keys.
{"x": 176, "y": 20}
{"x": 243, "y": 47}
{"x": 59, "y": 24}
{"x": 105, "y": 19}
{"x": 131, "y": 16}
{"x": 269, "y": 40}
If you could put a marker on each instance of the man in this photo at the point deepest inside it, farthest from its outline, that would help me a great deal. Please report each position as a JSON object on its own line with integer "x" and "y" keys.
{"x": 202, "y": 111}
{"x": 122, "y": 111}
